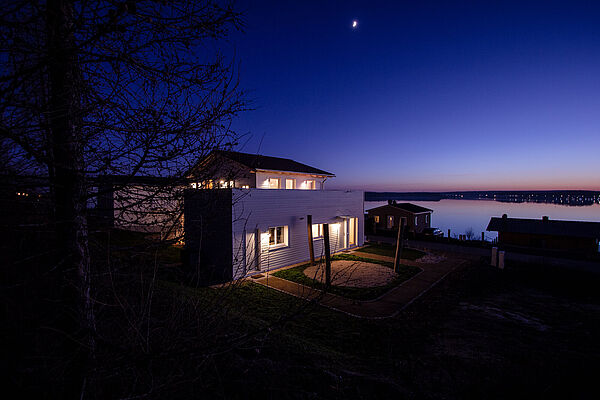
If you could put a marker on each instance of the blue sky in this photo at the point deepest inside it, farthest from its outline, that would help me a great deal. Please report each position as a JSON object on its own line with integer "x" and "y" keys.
{"x": 426, "y": 95}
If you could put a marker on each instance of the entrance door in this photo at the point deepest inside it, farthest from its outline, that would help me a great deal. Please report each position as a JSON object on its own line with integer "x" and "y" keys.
{"x": 351, "y": 231}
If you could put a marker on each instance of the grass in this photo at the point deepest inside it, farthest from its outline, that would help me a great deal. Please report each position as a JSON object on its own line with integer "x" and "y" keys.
{"x": 297, "y": 275}
{"x": 390, "y": 251}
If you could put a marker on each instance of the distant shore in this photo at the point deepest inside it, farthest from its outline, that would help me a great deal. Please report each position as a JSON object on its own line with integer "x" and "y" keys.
{"x": 564, "y": 197}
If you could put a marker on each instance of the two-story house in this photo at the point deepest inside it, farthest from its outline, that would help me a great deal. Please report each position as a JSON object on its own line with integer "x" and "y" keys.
{"x": 247, "y": 225}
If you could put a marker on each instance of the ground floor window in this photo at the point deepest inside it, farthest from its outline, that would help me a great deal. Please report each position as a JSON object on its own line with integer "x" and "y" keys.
{"x": 317, "y": 231}
{"x": 390, "y": 221}
{"x": 278, "y": 236}
{"x": 377, "y": 219}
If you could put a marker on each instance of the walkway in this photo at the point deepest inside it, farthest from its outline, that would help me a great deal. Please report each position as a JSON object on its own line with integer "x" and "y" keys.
{"x": 387, "y": 305}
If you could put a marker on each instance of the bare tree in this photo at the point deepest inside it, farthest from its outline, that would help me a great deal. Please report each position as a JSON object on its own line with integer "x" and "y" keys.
{"x": 90, "y": 89}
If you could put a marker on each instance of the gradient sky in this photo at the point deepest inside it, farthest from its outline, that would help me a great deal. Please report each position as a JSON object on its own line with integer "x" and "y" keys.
{"x": 426, "y": 96}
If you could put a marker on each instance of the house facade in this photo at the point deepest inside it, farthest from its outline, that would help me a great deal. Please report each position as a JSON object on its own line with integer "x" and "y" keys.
{"x": 237, "y": 231}
{"x": 388, "y": 218}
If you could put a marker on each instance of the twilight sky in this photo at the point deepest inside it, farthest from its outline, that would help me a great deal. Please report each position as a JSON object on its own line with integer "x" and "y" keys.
{"x": 427, "y": 96}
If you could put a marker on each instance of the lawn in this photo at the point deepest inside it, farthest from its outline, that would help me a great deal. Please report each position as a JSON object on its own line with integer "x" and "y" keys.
{"x": 390, "y": 251}
{"x": 296, "y": 274}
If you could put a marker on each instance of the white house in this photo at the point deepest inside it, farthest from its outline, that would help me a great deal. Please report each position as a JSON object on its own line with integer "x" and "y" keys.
{"x": 246, "y": 226}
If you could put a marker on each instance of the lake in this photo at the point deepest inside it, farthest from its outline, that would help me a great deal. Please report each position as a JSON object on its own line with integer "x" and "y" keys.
{"x": 461, "y": 215}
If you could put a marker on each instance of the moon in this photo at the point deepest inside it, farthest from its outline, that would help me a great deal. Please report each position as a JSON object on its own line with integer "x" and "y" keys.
{"x": 354, "y": 24}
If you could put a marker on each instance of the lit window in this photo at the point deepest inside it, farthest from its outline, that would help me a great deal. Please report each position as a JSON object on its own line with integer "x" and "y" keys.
{"x": 317, "y": 231}
{"x": 390, "y": 221}
{"x": 278, "y": 236}
{"x": 274, "y": 183}
{"x": 193, "y": 185}
{"x": 290, "y": 184}
{"x": 231, "y": 184}
{"x": 310, "y": 184}
{"x": 377, "y": 219}
{"x": 245, "y": 186}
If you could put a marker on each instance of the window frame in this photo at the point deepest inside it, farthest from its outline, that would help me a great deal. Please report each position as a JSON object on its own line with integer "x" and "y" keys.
{"x": 284, "y": 234}
{"x": 319, "y": 234}
{"x": 278, "y": 183}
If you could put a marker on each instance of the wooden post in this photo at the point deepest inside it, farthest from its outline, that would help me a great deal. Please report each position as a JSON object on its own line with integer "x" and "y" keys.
{"x": 311, "y": 248}
{"x": 482, "y": 237}
{"x": 399, "y": 244}
{"x": 448, "y": 234}
{"x": 327, "y": 255}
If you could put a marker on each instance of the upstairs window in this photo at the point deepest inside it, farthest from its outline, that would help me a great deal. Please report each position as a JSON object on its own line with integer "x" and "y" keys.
{"x": 274, "y": 183}
{"x": 290, "y": 184}
{"x": 310, "y": 184}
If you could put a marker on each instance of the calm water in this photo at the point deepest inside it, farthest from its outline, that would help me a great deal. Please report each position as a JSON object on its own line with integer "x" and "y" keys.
{"x": 461, "y": 215}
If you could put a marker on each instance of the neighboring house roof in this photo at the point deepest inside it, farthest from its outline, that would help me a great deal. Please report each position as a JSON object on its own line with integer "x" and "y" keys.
{"x": 412, "y": 208}
{"x": 259, "y": 162}
{"x": 545, "y": 227}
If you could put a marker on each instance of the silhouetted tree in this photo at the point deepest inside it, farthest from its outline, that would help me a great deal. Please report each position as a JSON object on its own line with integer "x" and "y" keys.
{"x": 99, "y": 88}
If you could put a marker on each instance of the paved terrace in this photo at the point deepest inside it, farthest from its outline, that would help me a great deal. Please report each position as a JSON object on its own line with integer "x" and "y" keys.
{"x": 387, "y": 305}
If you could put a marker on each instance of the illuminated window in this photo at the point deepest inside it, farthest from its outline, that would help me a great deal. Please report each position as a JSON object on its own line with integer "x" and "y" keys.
{"x": 377, "y": 219}
{"x": 416, "y": 221}
{"x": 317, "y": 231}
{"x": 245, "y": 186}
{"x": 390, "y": 221}
{"x": 274, "y": 183}
{"x": 310, "y": 184}
{"x": 278, "y": 236}
{"x": 290, "y": 184}
{"x": 193, "y": 185}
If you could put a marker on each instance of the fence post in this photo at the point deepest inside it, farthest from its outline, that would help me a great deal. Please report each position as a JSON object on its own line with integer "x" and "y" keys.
{"x": 483, "y": 236}
{"x": 494, "y": 256}
{"x": 501, "y": 259}
{"x": 399, "y": 244}
{"x": 311, "y": 248}
{"x": 448, "y": 234}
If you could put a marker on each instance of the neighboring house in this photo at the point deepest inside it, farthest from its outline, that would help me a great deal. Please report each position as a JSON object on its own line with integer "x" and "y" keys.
{"x": 230, "y": 169}
{"x": 573, "y": 236}
{"x": 387, "y": 218}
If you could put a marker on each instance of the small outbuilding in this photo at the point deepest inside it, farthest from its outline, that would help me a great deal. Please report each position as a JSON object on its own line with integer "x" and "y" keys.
{"x": 572, "y": 236}
{"x": 388, "y": 218}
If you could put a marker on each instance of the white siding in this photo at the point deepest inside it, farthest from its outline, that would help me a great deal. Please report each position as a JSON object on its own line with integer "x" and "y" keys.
{"x": 262, "y": 180}
{"x": 261, "y": 209}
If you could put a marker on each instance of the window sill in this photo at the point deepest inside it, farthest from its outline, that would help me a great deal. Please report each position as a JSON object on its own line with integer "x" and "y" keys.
{"x": 319, "y": 238}
{"x": 278, "y": 246}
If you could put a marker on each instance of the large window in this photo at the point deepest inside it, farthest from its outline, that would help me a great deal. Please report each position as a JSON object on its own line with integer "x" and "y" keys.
{"x": 310, "y": 184}
{"x": 274, "y": 183}
{"x": 278, "y": 236}
{"x": 290, "y": 184}
{"x": 317, "y": 231}
{"x": 390, "y": 221}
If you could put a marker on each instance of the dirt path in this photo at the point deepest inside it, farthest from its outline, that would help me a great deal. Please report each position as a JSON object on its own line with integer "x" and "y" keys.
{"x": 386, "y": 305}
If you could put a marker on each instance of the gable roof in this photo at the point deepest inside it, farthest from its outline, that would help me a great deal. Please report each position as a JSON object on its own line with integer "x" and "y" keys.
{"x": 545, "y": 227}
{"x": 412, "y": 208}
{"x": 260, "y": 162}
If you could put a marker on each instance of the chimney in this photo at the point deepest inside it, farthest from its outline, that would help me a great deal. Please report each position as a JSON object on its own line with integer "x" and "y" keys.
{"x": 545, "y": 218}
{"x": 504, "y": 216}
{"x": 390, "y": 202}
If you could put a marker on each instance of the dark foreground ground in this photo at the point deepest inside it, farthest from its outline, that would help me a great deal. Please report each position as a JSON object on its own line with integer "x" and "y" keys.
{"x": 525, "y": 332}
{"x": 481, "y": 333}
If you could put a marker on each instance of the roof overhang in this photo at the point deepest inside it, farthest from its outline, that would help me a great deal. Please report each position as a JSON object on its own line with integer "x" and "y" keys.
{"x": 312, "y": 174}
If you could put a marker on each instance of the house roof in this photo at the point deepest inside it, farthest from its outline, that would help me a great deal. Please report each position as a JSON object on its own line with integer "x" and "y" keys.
{"x": 255, "y": 161}
{"x": 412, "y": 208}
{"x": 545, "y": 227}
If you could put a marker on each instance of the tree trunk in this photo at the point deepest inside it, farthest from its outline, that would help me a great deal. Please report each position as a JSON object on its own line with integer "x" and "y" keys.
{"x": 67, "y": 169}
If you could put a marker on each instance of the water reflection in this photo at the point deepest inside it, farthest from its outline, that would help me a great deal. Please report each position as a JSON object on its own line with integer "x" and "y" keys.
{"x": 461, "y": 215}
